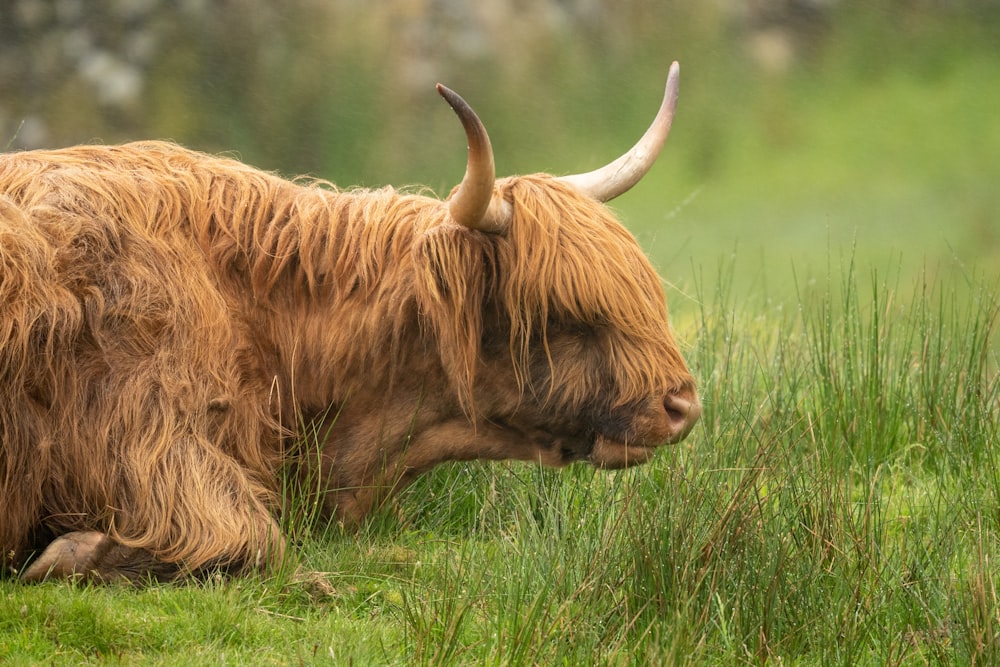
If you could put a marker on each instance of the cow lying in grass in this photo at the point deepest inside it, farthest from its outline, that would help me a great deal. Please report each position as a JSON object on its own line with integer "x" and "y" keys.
{"x": 169, "y": 322}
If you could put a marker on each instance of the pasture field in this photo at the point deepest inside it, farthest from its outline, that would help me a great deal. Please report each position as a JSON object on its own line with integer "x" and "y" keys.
{"x": 838, "y": 504}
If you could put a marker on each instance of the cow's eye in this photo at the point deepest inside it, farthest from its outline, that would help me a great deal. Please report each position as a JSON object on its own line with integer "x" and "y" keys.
{"x": 571, "y": 329}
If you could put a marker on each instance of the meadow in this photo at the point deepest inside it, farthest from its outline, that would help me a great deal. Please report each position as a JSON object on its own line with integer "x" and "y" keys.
{"x": 832, "y": 261}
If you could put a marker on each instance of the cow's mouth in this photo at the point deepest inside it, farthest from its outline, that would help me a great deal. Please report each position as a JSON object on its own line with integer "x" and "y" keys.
{"x": 612, "y": 455}
{"x": 631, "y": 437}
{"x": 605, "y": 438}
{"x": 603, "y": 451}
{"x": 610, "y": 445}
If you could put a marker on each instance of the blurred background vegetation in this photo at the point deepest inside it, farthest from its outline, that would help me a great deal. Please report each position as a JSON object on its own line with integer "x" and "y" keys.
{"x": 809, "y": 131}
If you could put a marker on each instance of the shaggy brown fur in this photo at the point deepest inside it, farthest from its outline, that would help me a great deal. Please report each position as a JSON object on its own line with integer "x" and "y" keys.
{"x": 168, "y": 318}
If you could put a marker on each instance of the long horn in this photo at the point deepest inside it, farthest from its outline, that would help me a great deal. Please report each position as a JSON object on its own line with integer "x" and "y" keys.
{"x": 470, "y": 203}
{"x": 613, "y": 179}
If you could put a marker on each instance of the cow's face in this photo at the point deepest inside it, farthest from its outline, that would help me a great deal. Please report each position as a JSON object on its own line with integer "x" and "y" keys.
{"x": 577, "y": 352}
{"x": 607, "y": 431}
{"x": 569, "y": 411}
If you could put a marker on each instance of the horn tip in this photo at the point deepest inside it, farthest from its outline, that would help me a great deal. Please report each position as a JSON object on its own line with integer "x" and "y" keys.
{"x": 447, "y": 93}
{"x": 673, "y": 83}
{"x": 454, "y": 100}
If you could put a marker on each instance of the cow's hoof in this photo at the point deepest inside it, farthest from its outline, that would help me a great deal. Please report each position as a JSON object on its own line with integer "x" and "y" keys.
{"x": 69, "y": 556}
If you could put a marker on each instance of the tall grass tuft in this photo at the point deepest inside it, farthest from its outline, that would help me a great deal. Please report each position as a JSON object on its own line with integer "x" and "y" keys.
{"x": 840, "y": 502}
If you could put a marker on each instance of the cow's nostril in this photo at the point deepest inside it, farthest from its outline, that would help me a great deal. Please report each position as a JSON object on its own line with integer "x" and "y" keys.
{"x": 683, "y": 412}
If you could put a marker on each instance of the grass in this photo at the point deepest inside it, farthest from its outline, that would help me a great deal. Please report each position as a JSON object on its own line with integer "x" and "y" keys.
{"x": 838, "y": 504}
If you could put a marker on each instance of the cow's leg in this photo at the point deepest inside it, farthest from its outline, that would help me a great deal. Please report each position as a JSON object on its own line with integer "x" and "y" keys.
{"x": 96, "y": 556}
{"x": 191, "y": 512}
{"x": 200, "y": 509}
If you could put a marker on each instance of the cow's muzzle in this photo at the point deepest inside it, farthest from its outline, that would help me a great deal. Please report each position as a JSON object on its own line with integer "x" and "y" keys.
{"x": 683, "y": 411}
{"x": 662, "y": 426}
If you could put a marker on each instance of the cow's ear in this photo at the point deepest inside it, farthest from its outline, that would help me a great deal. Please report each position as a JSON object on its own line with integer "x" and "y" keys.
{"x": 454, "y": 270}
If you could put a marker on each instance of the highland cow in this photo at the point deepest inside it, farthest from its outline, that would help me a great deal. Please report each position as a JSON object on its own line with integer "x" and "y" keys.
{"x": 171, "y": 324}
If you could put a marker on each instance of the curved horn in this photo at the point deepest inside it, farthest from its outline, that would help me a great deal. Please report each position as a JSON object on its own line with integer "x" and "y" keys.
{"x": 471, "y": 201}
{"x": 613, "y": 179}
